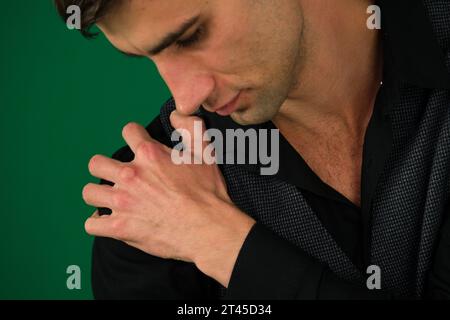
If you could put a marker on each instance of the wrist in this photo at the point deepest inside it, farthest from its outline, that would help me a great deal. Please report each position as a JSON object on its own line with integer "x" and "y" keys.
{"x": 225, "y": 241}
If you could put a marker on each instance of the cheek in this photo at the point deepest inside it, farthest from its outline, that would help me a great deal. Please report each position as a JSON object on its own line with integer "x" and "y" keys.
{"x": 235, "y": 59}
{"x": 231, "y": 46}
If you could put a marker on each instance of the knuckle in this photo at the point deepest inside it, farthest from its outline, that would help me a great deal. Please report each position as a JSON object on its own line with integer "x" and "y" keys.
{"x": 117, "y": 225}
{"x": 127, "y": 174}
{"x": 148, "y": 149}
{"x": 119, "y": 228}
{"x": 120, "y": 201}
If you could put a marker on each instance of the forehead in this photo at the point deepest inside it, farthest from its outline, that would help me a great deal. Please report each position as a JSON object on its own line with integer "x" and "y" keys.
{"x": 133, "y": 24}
{"x": 150, "y": 16}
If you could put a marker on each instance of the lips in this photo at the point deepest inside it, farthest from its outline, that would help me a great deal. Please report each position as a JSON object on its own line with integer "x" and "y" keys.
{"x": 230, "y": 107}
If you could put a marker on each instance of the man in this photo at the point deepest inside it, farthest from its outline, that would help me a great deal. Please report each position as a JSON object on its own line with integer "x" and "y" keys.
{"x": 364, "y": 176}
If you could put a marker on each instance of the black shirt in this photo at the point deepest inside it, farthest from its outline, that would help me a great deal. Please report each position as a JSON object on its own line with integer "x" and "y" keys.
{"x": 344, "y": 220}
{"x": 347, "y": 223}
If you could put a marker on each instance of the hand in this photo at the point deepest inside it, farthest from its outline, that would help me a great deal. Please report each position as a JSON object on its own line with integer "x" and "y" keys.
{"x": 171, "y": 211}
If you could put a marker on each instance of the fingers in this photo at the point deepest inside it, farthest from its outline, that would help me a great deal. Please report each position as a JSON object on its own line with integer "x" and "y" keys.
{"x": 111, "y": 226}
{"x": 101, "y": 196}
{"x": 101, "y": 226}
{"x": 134, "y": 134}
{"x": 106, "y": 168}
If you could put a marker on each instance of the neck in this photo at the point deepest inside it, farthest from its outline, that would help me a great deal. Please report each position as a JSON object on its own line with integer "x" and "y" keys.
{"x": 340, "y": 70}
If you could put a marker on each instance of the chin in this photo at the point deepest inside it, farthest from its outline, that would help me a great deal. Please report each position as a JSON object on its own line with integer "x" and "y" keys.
{"x": 247, "y": 117}
{"x": 254, "y": 114}
{"x": 242, "y": 117}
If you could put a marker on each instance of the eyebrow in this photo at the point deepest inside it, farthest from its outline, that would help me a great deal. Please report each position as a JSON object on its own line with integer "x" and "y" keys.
{"x": 168, "y": 39}
{"x": 130, "y": 55}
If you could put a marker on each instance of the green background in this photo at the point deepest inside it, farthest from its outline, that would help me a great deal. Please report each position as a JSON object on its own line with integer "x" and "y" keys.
{"x": 62, "y": 99}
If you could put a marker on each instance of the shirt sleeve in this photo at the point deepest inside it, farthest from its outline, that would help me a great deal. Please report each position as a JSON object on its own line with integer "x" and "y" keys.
{"x": 120, "y": 271}
{"x": 269, "y": 267}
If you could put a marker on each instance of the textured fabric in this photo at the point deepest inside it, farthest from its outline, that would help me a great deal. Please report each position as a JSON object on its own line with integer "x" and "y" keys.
{"x": 439, "y": 13}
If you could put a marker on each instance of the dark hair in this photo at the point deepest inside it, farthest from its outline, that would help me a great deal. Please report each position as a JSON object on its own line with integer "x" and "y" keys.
{"x": 91, "y": 12}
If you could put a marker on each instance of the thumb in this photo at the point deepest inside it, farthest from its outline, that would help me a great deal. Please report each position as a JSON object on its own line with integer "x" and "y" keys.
{"x": 191, "y": 129}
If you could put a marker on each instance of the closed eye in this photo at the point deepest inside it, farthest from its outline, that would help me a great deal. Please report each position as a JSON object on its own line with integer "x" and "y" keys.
{"x": 192, "y": 40}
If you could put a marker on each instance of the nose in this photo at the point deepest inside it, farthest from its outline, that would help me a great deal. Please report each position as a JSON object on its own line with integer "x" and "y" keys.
{"x": 189, "y": 84}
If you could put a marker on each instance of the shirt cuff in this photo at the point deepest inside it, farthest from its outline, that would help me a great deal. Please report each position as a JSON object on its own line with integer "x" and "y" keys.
{"x": 269, "y": 267}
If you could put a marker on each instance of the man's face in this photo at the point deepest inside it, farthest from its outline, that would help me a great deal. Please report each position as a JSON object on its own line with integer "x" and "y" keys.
{"x": 249, "y": 49}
